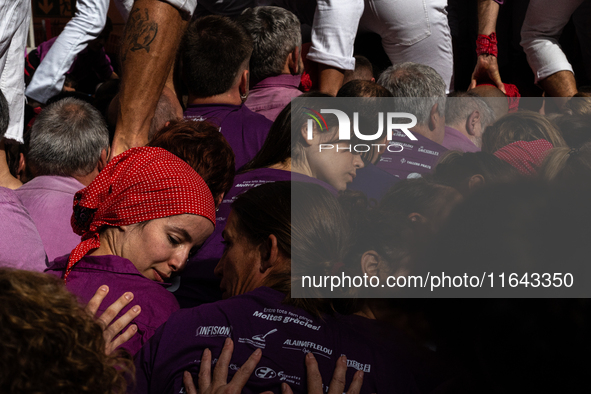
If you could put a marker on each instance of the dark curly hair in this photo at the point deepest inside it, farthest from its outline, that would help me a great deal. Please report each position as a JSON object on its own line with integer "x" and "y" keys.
{"x": 204, "y": 148}
{"x": 49, "y": 344}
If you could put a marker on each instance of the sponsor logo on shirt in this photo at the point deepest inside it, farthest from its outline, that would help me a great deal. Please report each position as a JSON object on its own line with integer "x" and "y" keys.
{"x": 287, "y": 317}
{"x": 265, "y": 373}
{"x": 307, "y": 347}
{"x": 359, "y": 366}
{"x": 289, "y": 378}
{"x": 197, "y": 118}
{"x": 423, "y": 165}
{"x": 269, "y": 373}
{"x": 257, "y": 340}
{"x": 430, "y": 152}
{"x": 213, "y": 331}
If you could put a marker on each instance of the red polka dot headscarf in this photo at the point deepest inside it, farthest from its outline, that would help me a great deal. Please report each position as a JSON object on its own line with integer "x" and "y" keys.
{"x": 138, "y": 185}
{"x": 525, "y": 156}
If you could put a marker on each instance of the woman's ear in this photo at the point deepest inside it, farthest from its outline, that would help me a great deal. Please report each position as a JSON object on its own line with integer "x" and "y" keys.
{"x": 475, "y": 182}
{"x": 270, "y": 254}
{"x": 308, "y": 137}
{"x": 370, "y": 263}
{"x": 417, "y": 217}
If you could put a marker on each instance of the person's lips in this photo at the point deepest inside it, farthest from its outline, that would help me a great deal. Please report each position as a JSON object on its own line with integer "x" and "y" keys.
{"x": 159, "y": 276}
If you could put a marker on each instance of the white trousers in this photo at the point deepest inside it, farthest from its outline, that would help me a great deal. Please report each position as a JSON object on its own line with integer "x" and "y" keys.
{"x": 411, "y": 30}
{"x": 541, "y": 30}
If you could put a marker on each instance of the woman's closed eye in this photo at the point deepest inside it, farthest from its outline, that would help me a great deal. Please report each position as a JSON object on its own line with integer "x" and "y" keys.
{"x": 173, "y": 240}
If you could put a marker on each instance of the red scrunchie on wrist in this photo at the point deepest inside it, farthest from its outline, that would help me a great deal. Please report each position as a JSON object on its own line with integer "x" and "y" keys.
{"x": 487, "y": 45}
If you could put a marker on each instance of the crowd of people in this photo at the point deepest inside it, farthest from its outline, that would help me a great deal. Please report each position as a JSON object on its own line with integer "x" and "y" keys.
{"x": 160, "y": 215}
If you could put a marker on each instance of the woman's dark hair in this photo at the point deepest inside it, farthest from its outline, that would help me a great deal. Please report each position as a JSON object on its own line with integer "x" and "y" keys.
{"x": 520, "y": 126}
{"x": 456, "y": 168}
{"x": 362, "y": 88}
{"x": 430, "y": 199}
{"x": 278, "y": 145}
{"x": 204, "y": 148}
{"x": 574, "y": 129}
{"x": 310, "y": 226}
{"x": 390, "y": 233}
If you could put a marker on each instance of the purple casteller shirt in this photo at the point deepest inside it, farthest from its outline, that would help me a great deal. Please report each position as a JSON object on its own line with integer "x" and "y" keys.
{"x": 417, "y": 157}
{"x": 86, "y": 61}
{"x": 20, "y": 244}
{"x": 244, "y": 130}
{"x": 271, "y": 95}
{"x": 285, "y": 334}
{"x": 456, "y": 140}
{"x": 49, "y": 200}
{"x": 198, "y": 284}
{"x": 372, "y": 181}
{"x": 121, "y": 276}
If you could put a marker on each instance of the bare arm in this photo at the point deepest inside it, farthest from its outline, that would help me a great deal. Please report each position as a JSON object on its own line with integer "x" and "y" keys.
{"x": 152, "y": 36}
{"x": 487, "y": 69}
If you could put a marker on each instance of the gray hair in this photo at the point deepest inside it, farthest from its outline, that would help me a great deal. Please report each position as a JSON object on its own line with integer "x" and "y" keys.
{"x": 420, "y": 86}
{"x": 460, "y": 106}
{"x": 275, "y": 33}
{"x": 67, "y": 139}
{"x": 4, "y": 115}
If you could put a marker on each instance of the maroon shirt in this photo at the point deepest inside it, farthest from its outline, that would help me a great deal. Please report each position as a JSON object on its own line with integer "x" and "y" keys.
{"x": 121, "y": 276}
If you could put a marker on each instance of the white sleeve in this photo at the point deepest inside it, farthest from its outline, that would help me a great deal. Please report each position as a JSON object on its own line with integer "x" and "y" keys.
{"x": 186, "y": 6}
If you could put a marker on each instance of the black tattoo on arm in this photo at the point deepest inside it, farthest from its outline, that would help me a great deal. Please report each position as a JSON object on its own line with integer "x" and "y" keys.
{"x": 140, "y": 32}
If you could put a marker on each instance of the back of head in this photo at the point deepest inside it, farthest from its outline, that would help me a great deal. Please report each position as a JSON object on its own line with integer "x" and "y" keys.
{"x": 461, "y": 105}
{"x": 363, "y": 70}
{"x": 204, "y": 148}
{"x": 574, "y": 129}
{"x": 213, "y": 52}
{"x": 167, "y": 109}
{"x": 67, "y": 139}
{"x": 432, "y": 201}
{"x": 457, "y": 169}
{"x": 567, "y": 165}
{"x": 520, "y": 126}
{"x": 420, "y": 87}
{"x": 580, "y": 104}
{"x": 50, "y": 344}
{"x": 275, "y": 33}
{"x": 494, "y": 97}
{"x": 4, "y": 115}
{"x": 362, "y": 88}
{"x": 309, "y": 225}
{"x": 527, "y": 226}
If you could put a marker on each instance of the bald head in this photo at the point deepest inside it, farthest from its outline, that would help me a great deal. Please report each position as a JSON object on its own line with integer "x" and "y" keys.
{"x": 494, "y": 97}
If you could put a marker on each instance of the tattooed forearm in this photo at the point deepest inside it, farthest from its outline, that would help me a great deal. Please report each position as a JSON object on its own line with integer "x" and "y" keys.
{"x": 140, "y": 32}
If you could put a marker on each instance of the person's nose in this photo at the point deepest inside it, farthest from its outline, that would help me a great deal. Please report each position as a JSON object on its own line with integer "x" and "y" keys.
{"x": 358, "y": 162}
{"x": 178, "y": 261}
{"x": 218, "y": 270}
